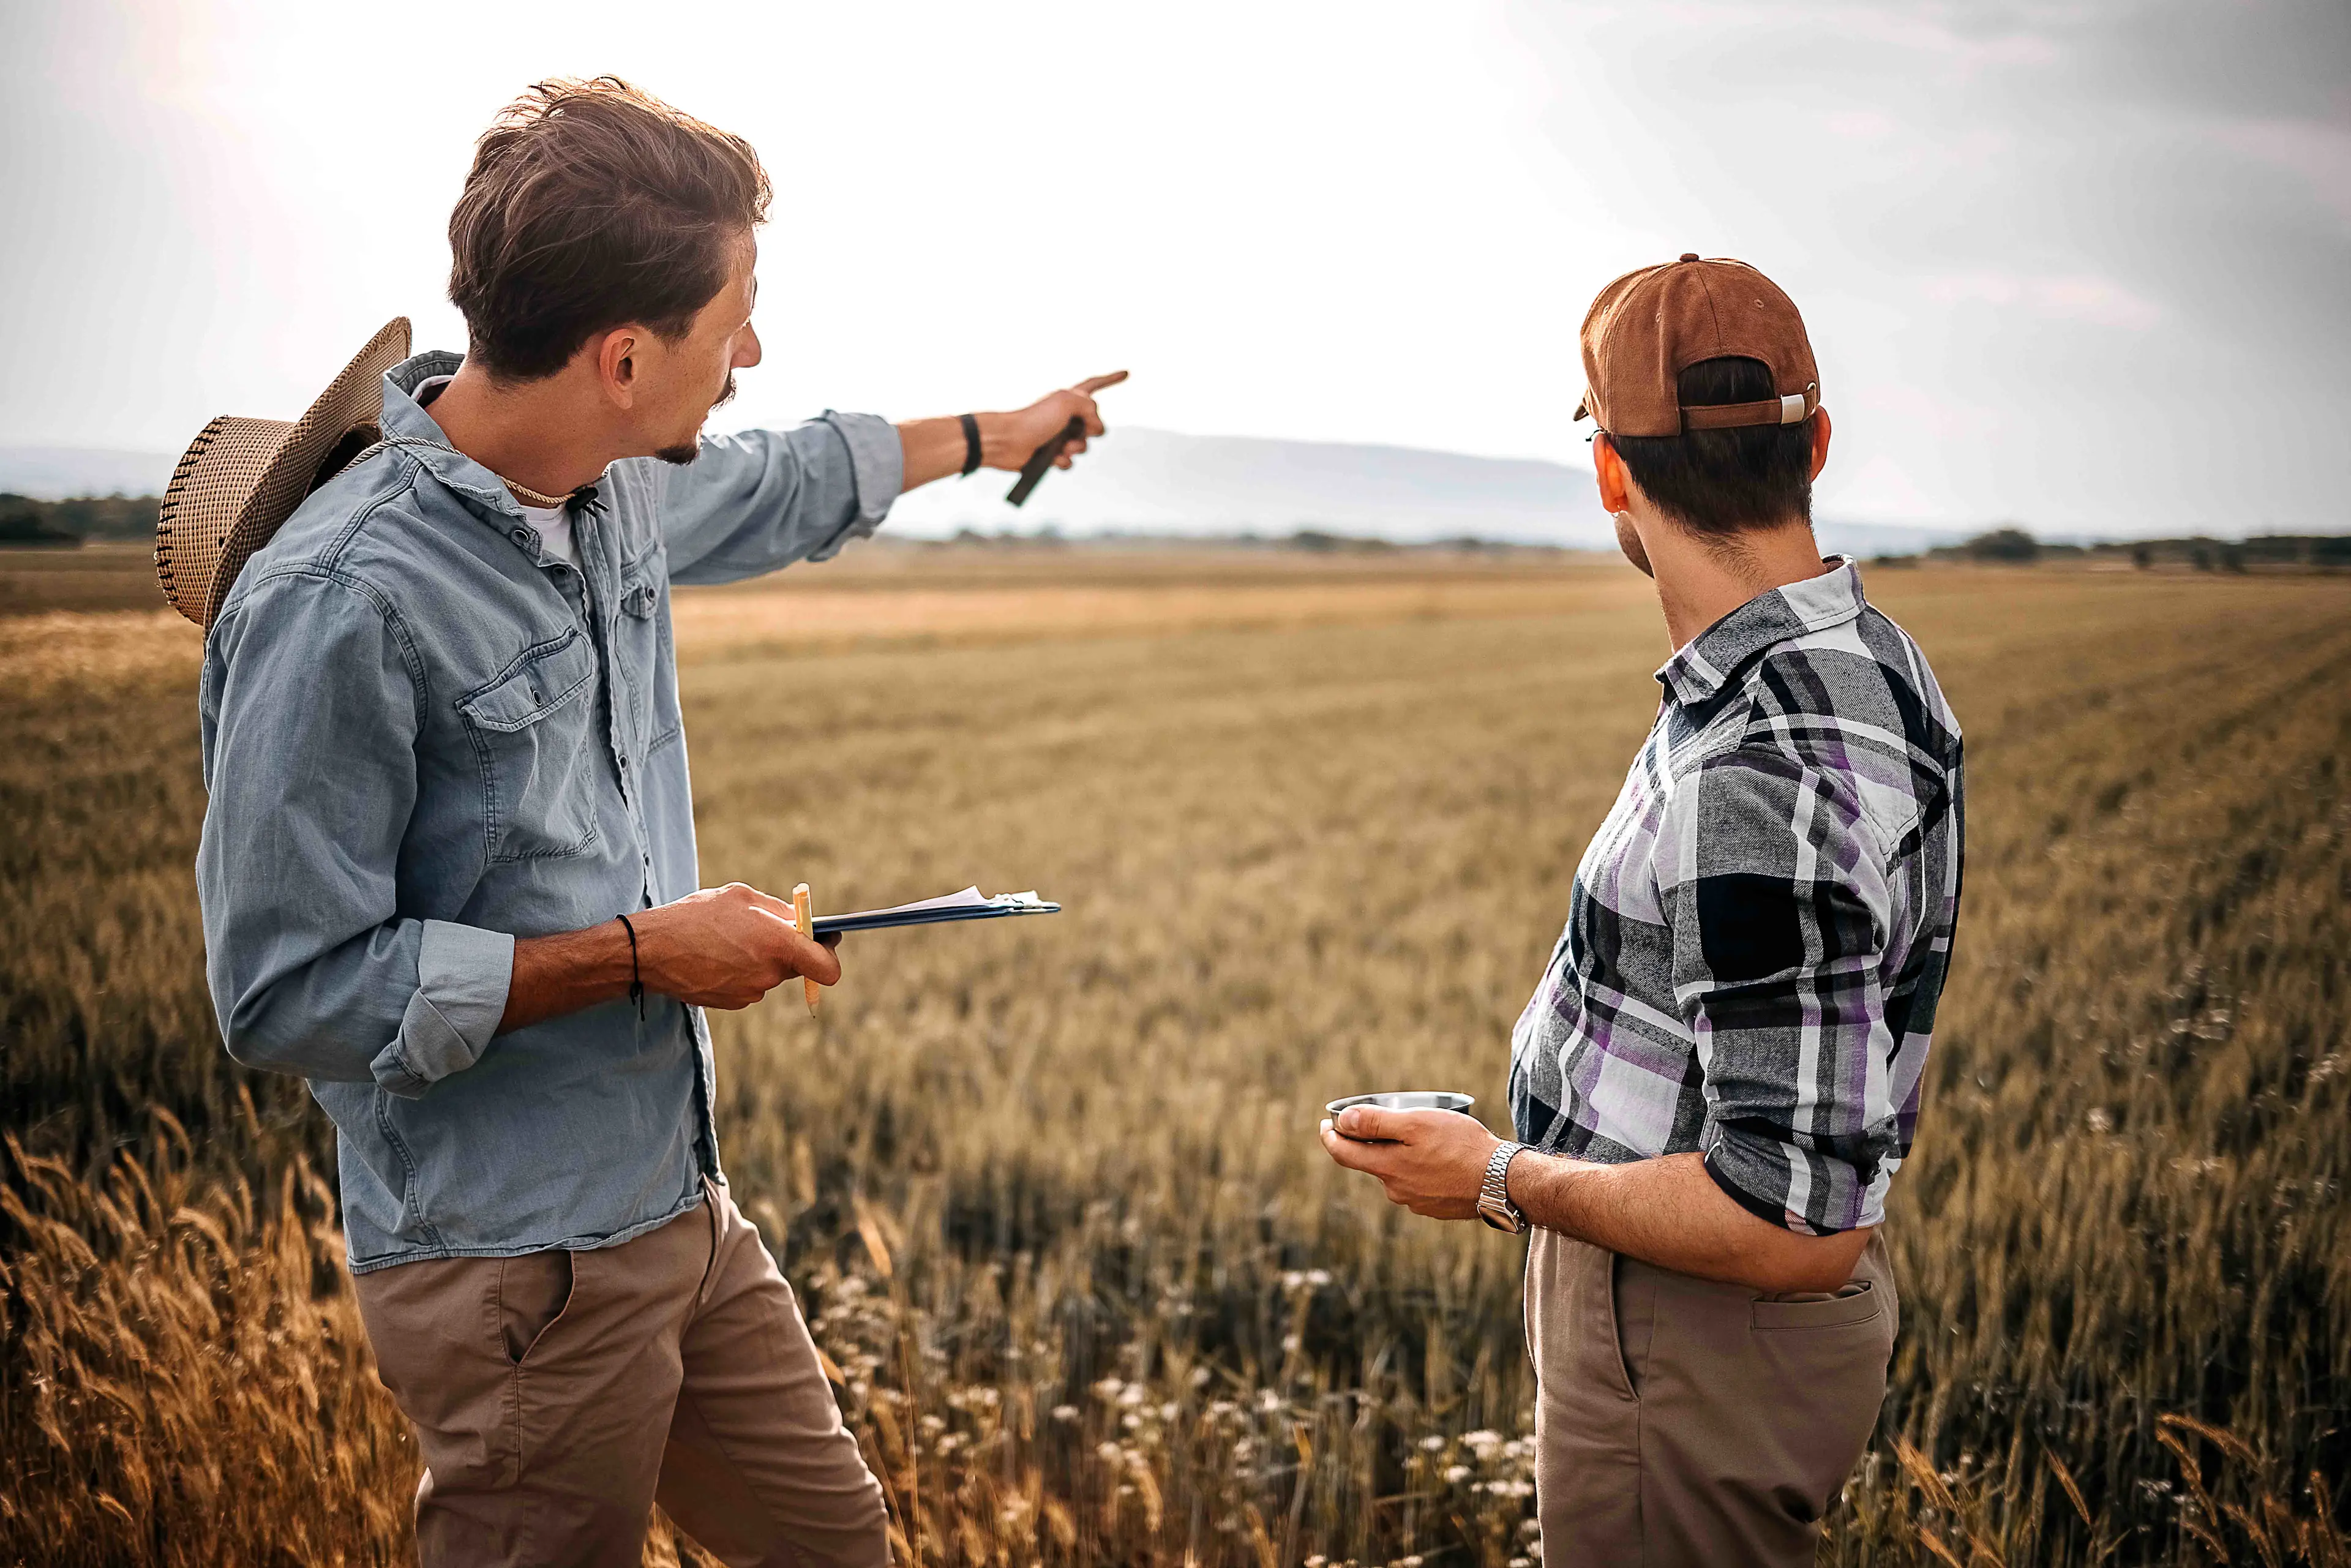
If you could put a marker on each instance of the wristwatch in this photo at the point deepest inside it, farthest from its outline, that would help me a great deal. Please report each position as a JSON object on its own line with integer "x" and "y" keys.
{"x": 1494, "y": 1204}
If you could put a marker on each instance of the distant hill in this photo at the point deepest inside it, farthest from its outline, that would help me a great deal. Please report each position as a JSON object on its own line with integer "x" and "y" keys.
{"x": 55, "y": 473}
{"x": 1160, "y": 482}
{"x": 1142, "y": 481}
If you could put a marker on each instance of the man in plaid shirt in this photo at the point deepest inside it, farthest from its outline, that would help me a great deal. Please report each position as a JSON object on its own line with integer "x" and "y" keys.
{"x": 1720, "y": 1073}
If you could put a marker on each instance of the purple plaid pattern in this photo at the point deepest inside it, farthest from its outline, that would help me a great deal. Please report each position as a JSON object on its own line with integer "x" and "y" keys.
{"x": 1758, "y": 933}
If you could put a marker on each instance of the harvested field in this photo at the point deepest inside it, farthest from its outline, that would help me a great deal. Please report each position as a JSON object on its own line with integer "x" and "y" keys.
{"x": 1051, "y": 1189}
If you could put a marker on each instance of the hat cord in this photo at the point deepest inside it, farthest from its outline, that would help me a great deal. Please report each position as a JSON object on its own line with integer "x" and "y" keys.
{"x": 523, "y": 492}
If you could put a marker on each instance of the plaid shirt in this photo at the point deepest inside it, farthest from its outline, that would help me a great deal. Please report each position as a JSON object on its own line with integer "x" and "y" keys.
{"x": 1758, "y": 933}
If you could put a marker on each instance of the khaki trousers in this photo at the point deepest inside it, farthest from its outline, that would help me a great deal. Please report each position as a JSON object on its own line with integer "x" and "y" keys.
{"x": 1682, "y": 1422}
{"x": 557, "y": 1396}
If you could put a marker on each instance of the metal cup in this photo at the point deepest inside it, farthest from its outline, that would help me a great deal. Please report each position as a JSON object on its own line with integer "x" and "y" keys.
{"x": 1401, "y": 1100}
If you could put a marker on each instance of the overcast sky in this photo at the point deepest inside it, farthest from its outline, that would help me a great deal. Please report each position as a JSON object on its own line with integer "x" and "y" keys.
{"x": 2086, "y": 265}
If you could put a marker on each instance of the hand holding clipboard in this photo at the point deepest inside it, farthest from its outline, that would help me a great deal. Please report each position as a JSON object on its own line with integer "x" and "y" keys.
{"x": 968, "y": 904}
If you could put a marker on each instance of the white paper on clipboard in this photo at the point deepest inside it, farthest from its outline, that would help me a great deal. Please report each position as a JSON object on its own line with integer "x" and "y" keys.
{"x": 968, "y": 904}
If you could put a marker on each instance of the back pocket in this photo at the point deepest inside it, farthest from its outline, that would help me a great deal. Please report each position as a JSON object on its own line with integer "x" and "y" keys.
{"x": 534, "y": 729}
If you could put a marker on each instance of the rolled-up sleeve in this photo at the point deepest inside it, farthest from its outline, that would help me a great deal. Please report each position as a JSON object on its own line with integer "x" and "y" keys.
{"x": 1774, "y": 889}
{"x": 750, "y": 503}
{"x": 310, "y": 710}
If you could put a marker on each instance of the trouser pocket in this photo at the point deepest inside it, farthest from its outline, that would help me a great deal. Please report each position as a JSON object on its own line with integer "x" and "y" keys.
{"x": 534, "y": 1292}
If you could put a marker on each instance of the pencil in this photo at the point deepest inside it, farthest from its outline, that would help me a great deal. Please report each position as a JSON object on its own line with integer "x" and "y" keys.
{"x": 1042, "y": 458}
{"x": 805, "y": 921}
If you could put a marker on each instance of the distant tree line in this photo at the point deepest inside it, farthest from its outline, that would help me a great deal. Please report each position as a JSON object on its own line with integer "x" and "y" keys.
{"x": 24, "y": 521}
{"x": 2011, "y": 545}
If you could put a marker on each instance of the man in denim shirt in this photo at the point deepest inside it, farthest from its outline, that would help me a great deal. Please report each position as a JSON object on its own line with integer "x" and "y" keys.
{"x": 448, "y": 863}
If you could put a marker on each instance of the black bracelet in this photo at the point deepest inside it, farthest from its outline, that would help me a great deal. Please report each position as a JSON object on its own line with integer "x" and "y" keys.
{"x": 636, "y": 986}
{"x": 970, "y": 442}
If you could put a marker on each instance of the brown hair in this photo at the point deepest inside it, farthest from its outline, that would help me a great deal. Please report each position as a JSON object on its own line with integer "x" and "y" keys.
{"x": 1724, "y": 481}
{"x": 592, "y": 204}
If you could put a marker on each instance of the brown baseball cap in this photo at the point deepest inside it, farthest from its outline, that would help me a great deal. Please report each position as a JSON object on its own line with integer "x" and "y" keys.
{"x": 1649, "y": 326}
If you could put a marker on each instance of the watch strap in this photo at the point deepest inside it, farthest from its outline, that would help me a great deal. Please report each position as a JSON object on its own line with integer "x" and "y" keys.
{"x": 1494, "y": 1204}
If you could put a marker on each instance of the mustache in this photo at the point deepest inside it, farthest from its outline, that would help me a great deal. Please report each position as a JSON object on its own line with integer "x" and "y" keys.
{"x": 726, "y": 394}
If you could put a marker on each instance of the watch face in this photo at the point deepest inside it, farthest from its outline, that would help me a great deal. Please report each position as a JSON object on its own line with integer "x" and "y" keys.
{"x": 1500, "y": 1218}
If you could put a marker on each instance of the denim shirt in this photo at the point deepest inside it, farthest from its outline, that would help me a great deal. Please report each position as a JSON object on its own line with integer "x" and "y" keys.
{"x": 424, "y": 738}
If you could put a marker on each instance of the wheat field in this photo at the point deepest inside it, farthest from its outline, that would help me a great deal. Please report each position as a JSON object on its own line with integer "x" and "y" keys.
{"x": 1050, "y": 1188}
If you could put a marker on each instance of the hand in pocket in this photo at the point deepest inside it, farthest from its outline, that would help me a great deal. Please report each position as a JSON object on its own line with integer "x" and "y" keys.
{"x": 533, "y": 1290}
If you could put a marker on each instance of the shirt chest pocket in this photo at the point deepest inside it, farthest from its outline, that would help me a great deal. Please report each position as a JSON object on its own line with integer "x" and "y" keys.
{"x": 534, "y": 733}
{"x": 640, "y": 651}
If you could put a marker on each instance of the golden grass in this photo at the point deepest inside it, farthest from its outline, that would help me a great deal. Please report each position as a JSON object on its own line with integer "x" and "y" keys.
{"x": 1051, "y": 1188}
{"x": 95, "y": 577}
{"x": 709, "y": 624}
{"x": 110, "y": 632}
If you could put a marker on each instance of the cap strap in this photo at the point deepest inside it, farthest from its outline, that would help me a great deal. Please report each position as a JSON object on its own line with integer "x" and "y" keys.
{"x": 1794, "y": 409}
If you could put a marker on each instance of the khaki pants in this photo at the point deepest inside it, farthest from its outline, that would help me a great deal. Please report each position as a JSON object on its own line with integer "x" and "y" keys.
{"x": 1682, "y": 1422}
{"x": 557, "y": 1396}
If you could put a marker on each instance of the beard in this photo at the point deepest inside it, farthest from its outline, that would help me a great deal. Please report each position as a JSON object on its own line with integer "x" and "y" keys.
{"x": 687, "y": 452}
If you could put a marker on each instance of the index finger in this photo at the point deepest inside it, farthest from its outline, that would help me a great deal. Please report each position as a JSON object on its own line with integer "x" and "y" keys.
{"x": 1092, "y": 385}
{"x": 1375, "y": 1122}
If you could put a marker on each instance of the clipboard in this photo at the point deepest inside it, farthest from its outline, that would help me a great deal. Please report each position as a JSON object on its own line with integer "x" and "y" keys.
{"x": 968, "y": 904}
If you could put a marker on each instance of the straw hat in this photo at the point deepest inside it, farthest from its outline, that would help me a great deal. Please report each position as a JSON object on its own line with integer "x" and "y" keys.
{"x": 241, "y": 479}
